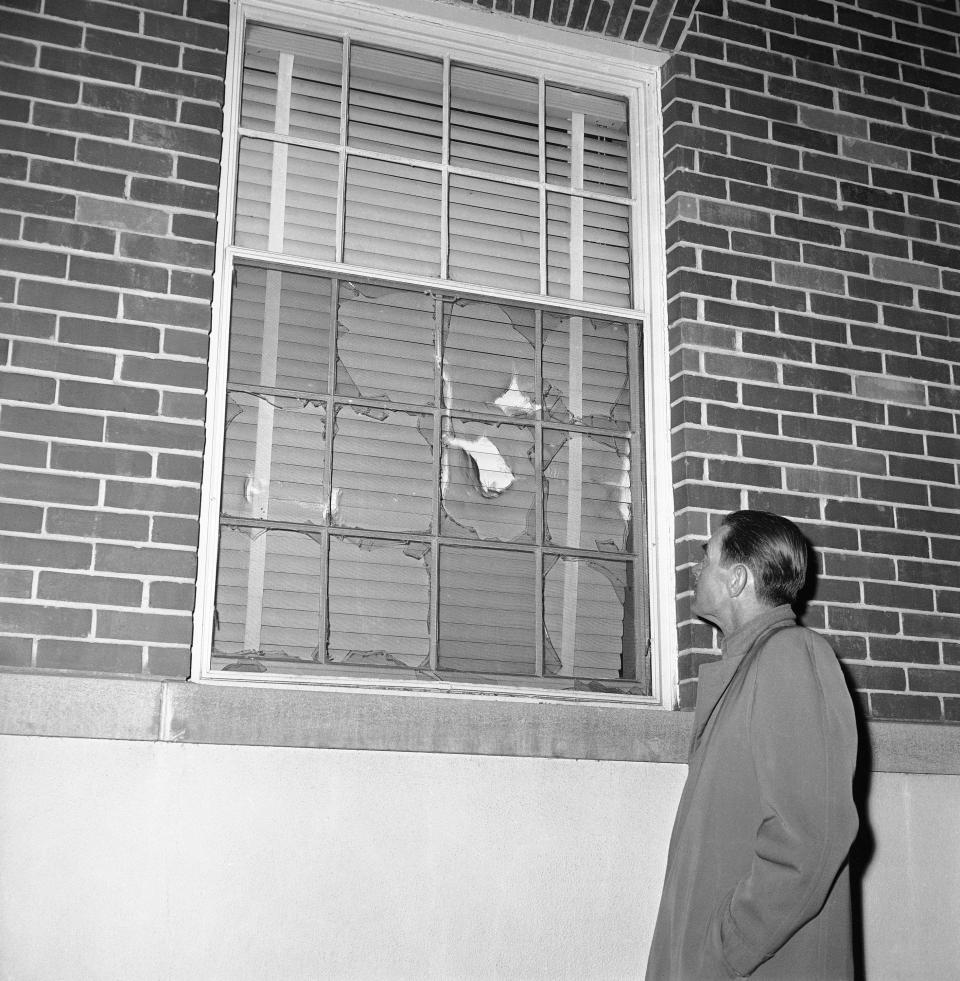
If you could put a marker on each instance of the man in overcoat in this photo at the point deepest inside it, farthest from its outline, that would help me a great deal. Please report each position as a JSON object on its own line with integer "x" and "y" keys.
{"x": 757, "y": 883}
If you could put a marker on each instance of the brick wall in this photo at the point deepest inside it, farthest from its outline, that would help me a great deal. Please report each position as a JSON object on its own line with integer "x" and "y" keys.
{"x": 813, "y": 198}
{"x": 813, "y": 192}
{"x": 110, "y": 117}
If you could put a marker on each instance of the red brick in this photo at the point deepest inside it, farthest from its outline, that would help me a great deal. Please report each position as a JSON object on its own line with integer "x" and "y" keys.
{"x": 100, "y": 460}
{"x": 34, "y": 552}
{"x": 116, "y": 334}
{"x": 151, "y": 497}
{"x": 170, "y": 562}
{"x": 37, "y": 262}
{"x": 897, "y": 597}
{"x": 30, "y": 485}
{"x": 934, "y": 680}
{"x": 27, "y": 323}
{"x": 97, "y": 590}
{"x": 929, "y": 625}
{"x": 16, "y": 583}
{"x": 36, "y": 619}
{"x": 168, "y": 662}
{"x": 178, "y": 313}
{"x": 115, "y": 398}
{"x": 97, "y": 524}
{"x": 124, "y": 275}
{"x": 171, "y": 595}
{"x": 919, "y": 708}
{"x": 20, "y": 517}
{"x": 175, "y": 531}
{"x": 23, "y": 452}
{"x": 71, "y": 299}
{"x": 63, "y": 360}
{"x": 88, "y": 656}
{"x": 140, "y": 432}
{"x": 165, "y": 371}
{"x": 16, "y": 652}
{"x": 28, "y": 388}
{"x": 176, "y": 466}
{"x": 146, "y": 627}
{"x": 868, "y": 676}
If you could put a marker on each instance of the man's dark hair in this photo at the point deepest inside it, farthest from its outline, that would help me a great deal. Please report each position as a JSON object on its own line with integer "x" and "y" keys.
{"x": 774, "y": 550}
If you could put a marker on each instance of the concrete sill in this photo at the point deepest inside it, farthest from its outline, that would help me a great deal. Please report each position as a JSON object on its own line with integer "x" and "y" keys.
{"x": 74, "y": 706}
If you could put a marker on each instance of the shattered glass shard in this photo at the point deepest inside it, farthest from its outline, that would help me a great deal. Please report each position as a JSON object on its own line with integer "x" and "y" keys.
{"x": 514, "y": 402}
{"x": 493, "y": 474}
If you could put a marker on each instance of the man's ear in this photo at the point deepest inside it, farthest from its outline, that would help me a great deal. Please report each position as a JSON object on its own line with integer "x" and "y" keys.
{"x": 738, "y": 579}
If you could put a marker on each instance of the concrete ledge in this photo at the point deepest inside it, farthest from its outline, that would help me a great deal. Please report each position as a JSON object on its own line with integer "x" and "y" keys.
{"x": 414, "y": 722}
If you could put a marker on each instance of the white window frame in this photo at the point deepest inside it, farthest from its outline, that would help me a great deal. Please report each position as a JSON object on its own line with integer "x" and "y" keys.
{"x": 511, "y": 44}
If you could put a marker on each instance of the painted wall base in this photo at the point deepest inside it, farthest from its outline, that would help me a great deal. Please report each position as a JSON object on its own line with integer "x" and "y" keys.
{"x": 165, "y": 862}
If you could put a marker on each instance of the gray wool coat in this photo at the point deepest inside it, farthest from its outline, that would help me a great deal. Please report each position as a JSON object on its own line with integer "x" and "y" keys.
{"x": 757, "y": 883}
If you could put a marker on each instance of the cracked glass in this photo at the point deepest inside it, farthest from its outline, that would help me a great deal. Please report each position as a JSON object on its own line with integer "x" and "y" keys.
{"x": 274, "y": 459}
{"x": 382, "y": 470}
{"x": 379, "y": 603}
{"x": 588, "y": 619}
{"x": 268, "y": 598}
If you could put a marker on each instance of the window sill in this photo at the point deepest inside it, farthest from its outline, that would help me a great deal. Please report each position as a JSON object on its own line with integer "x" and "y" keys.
{"x": 96, "y": 707}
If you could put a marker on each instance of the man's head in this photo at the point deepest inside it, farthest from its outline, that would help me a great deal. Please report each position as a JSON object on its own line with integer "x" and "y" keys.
{"x": 755, "y": 560}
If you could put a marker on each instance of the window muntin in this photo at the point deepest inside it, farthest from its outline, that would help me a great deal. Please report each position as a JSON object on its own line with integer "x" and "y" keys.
{"x": 466, "y": 456}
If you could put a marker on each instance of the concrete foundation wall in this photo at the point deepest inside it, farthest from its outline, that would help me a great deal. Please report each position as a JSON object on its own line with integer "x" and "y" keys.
{"x": 165, "y": 862}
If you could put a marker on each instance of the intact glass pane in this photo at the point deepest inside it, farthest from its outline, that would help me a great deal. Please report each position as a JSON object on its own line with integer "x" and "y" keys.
{"x": 587, "y": 141}
{"x": 279, "y": 330}
{"x": 586, "y": 370}
{"x": 494, "y": 234}
{"x": 396, "y": 103}
{"x": 588, "y": 249}
{"x": 587, "y": 491}
{"x": 393, "y": 217}
{"x": 587, "y": 618}
{"x": 382, "y": 470}
{"x": 487, "y": 621}
{"x": 488, "y": 482}
{"x": 273, "y": 460}
{"x": 379, "y": 603}
{"x": 286, "y": 199}
{"x": 386, "y": 344}
{"x": 297, "y": 72}
{"x": 268, "y": 595}
{"x": 488, "y": 358}
{"x": 255, "y": 178}
{"x": 494, "y": 123}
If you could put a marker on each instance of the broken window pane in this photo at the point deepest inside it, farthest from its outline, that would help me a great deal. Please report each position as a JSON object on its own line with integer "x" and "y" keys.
{"x": 588, "y": 613}
{"x": 586, "y": 370}
{"x": 586, "y": 491}
{"x": 268, "y": 595}
{"x": 488, "y": 358}
{"x": 488, "y": 482}
{"x": 392, "y": 217}
{"x": 279, "y": 330}
{"x": 274, "y": 459}
{"x": 382, "y": 470}
{"x": 386, "y": 344}
{"x": 487, "y": 611}
{"x": 379, "y": 603}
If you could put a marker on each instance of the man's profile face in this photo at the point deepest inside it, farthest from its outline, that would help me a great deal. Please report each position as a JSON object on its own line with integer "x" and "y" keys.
{"x": 710, "y": 595}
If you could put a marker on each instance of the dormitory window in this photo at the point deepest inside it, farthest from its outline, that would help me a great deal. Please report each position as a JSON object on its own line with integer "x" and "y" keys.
{"x": 432, "y": 407}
